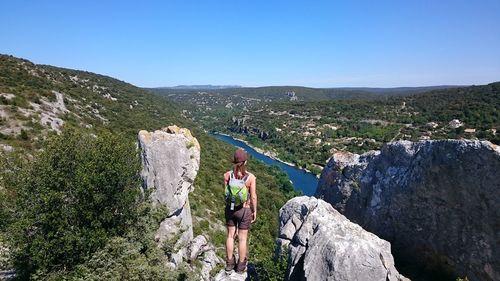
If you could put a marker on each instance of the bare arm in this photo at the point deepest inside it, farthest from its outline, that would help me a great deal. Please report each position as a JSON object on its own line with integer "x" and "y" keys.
{"x": 226, "y": 181}
{"x": 253, "y": 199}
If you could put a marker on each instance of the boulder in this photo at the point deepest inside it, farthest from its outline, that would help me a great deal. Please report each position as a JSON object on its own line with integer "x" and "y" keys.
{"x": 323, "y": 245}
{"x": 435, "y": 201}
{"x": 455, "y": 123}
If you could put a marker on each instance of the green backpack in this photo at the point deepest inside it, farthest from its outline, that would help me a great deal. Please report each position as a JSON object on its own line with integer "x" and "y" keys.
{"x": 236, "y": 192}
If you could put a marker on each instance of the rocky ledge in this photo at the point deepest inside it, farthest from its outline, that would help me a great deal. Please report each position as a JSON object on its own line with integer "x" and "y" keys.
{"x": 323, "y": 245}
{"x": 435, "y": 201}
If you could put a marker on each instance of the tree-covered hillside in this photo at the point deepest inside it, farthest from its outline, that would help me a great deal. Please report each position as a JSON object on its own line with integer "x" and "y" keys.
{"x": 250, "y": 95}
{"x": 38, "y": 102}
{"x": 308, "y": 132}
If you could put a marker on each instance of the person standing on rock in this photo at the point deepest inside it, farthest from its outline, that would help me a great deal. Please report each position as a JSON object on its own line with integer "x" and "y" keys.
{"x": 240, "y": 211}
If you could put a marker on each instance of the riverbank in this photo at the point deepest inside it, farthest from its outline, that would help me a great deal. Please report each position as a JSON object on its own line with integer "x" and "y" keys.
{"x": 267, "y": 153}
{"x": 274, "y": 156}
{"x": 301, "y": 179}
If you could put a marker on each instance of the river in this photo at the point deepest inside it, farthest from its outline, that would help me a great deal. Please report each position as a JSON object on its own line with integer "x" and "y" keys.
{"x": 301, "y": 180}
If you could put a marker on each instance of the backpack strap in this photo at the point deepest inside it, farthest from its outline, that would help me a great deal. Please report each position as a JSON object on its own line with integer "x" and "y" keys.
{"x": 245, "y": 178}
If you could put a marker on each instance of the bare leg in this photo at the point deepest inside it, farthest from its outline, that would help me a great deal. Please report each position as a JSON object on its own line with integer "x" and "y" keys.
{"x": 231, "y": 231}
{"x": 242, "y": 243}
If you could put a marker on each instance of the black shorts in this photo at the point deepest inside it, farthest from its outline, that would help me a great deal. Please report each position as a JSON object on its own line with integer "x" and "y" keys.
{"x": 240, "y": 217}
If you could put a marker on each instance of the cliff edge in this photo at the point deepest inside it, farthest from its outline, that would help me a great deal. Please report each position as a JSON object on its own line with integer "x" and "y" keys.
{"x": 324, "y": 245}
{"x": 435, "y": 201}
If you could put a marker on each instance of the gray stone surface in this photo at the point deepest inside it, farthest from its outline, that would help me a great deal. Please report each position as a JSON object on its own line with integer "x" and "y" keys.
{"x": 233, "y": 276}
{"x": 323, "y": 245}
{"x": 209, "y": 261}
{"x": 200, "y": 249}
{"x": 198, "y": 246}
{"x": 171, "y": 159}
{"x": 435, "y": 201}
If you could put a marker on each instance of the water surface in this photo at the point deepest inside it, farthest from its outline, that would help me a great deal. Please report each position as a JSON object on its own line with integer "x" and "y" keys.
{"x": 301, "y": 180}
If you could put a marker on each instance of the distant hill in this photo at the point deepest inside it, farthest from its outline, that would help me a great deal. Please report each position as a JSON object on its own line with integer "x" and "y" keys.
{"x": 400, "y": 91}
{"x": 217, "y": 96}
{"x": 201, "y": 87}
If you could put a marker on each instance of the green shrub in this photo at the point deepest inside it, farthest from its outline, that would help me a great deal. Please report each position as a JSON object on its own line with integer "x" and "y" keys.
{"x": 6, "y": 206}
{"x": 273, "y": 269}
{"x": 133, "y": 256}
{"x": 24, "y": 135}
{"x": 71, "y": 198}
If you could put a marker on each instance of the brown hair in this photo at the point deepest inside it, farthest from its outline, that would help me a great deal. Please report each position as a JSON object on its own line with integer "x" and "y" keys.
{"x": 240, "y": 167}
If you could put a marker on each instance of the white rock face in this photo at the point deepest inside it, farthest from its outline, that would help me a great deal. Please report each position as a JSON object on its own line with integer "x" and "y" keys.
{"x": 6, "y": 147}
{"x": 171, "y": 159}
{"x": 7, "y": 96}
{"x": 324, "y": 245}
{"x": 233, "y": 276}
{"x": 50, "y": 115}
{"x": 200, "y": 249}
{"x": 432, "y": 125}
{"x": 437, "y": 202}
{"x": 455, "y": 123}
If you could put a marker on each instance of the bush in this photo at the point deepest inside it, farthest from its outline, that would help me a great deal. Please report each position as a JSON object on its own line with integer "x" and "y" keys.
{"x": 6, "y": 206}
{"x": 24, "y": 135}
{"x": 273, "y": 269}
{"x": 71, "y": 198}
{"x": 134, "y": 256}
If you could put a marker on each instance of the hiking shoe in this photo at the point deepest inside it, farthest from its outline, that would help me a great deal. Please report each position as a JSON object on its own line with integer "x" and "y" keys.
{"x": 241, "y": 267}
{"x": 230, "y": 264}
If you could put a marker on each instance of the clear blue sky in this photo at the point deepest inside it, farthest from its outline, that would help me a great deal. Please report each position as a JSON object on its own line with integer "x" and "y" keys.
{"x": 253, "y": 43}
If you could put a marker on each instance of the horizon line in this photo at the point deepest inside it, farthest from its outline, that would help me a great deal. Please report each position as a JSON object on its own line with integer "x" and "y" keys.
{"x": 200, "y": 86}
{"x": 232, "y": 85}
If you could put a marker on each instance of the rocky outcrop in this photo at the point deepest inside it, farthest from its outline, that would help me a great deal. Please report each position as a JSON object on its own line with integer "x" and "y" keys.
{"x": 170, "y": 159}
{"x": 246, "y": 130}
{"x": 240, "y": 127}
{"x": 232, "y": 276}
{"x": 323, "y": 245}
{"x": 203, "y": 251}
{"x": 435, "y": 201}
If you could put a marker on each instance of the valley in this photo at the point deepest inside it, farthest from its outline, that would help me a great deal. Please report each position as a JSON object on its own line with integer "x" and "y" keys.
{"x": 48, "y": 107}
{"x": 305, "y": 126}
{"x": 40, "y": 105}
{"x": 250, "y": 141}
